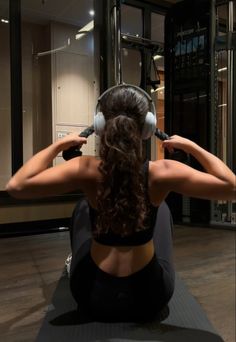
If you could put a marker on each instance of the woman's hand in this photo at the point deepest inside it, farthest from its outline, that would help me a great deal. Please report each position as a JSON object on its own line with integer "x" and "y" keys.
{"x": 179, "y": 143}
{"x": 71, "y": 140}
{"x": 217, "y": 181}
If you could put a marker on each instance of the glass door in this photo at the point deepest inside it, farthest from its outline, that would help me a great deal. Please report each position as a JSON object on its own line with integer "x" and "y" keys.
{"x": 5, "y": 96}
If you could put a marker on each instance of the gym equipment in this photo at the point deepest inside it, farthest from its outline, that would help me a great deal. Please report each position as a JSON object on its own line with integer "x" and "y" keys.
{"x": 188, "y": 87}
{"x": 74, "y": 151}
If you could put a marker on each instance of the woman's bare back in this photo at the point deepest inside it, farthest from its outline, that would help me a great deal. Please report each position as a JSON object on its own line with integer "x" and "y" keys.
{"x": 120, "y": 261}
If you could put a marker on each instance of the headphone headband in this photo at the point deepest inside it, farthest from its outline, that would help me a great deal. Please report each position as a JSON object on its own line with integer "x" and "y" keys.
{"x": 153, "y": 109}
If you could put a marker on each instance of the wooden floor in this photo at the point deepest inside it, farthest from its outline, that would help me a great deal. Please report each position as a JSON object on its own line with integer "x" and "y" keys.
{"x": 30, "y": 267}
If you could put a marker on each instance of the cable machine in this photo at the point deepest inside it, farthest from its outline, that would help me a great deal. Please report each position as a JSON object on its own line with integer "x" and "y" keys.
{"x": 187, "y": 69}
{"x": 109, "y": 50}
{"x": 191, "y": 95}
{"x": 200, "y": 83}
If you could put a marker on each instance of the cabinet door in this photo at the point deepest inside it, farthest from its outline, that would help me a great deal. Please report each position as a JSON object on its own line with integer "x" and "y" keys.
{"x": 72, "y": 89}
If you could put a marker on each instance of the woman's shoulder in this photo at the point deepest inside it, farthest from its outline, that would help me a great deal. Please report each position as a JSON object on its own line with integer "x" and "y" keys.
{"x": 162, "y": 169}
{"x": 89, "y": 167}
{"x": 160, "y": 165}
{"x": 159, "y": 171}
{"x": 89, "y": 160}
{"x": 88, "y": 163}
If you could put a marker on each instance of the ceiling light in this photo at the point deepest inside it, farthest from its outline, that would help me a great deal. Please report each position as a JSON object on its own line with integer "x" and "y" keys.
{"x": 91, "y": 12}
{"x": 158, "y": 89}
{"x": 222, "y": 69}
{"x": 5, "y": 21}
{"x": 84, "y": 30}
{"x": 157, "y": 57}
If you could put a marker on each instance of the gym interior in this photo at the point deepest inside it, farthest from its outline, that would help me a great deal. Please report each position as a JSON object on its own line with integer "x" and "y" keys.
{"x": 56, "y": 58}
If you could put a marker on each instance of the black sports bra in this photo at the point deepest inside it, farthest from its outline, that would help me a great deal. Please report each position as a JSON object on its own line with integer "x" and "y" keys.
{"x": 138, "y": 238}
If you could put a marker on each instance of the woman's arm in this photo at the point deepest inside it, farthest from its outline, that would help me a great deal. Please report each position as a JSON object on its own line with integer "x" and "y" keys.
{"x": 217, "y": 182}
{"x": 36, "y": 179}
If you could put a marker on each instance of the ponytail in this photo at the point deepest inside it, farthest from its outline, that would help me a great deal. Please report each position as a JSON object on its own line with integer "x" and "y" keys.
{"x": 121, "y": 196}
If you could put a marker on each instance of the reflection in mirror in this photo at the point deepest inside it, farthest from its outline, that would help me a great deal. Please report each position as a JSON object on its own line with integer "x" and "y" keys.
{"x": 131, "y": 66}
{"x": 57, "y": 72}
{"x": 131, "y": 21}
{"x": 157, "y": 29}
{"x": 222, "y": 14}
{"x": 222, "y": 106}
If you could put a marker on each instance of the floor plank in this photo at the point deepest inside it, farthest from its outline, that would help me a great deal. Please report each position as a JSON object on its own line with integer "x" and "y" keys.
{"x": 205, "y": 260}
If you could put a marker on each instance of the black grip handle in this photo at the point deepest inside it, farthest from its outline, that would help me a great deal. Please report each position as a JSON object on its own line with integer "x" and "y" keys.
{"x": 87, "y": 132}
{"x": 177, "y": 154}
{"x": 74, "y": 151}
{"x": 161, "y": 135}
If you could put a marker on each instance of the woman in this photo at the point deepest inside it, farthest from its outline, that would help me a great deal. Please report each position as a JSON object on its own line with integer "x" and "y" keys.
{"x": 122, "y": 264}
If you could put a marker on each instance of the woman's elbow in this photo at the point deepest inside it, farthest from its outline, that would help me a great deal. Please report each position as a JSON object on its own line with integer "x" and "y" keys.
{"x": 14, "y": 189}
{"x": 231, "y": 191}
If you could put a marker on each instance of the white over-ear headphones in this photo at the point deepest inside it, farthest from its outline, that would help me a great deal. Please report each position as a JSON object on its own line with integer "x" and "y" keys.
{"x": 149, "y": 126}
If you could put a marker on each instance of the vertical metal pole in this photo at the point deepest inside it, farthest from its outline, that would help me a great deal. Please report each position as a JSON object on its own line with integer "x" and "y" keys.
{"x": 16, "y": 85}
{"x": 230, "y": 99}
{"x": 234, "y": 112}
{"x": 117, "y": 43}
{"x": 100, "y": 56}
{"x": 145, "y": 63}
{"x": 107, "y": 43}
{"x": 230, "y": 90}
{"x": 213, "y": 90}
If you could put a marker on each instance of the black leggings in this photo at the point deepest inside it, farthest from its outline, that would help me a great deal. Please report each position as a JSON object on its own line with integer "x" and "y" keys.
{"x": 140, "y": 296}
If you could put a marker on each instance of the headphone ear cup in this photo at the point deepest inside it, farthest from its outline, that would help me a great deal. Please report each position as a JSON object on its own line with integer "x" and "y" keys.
{"x": 149, "y": 126}
{"x": 99, "y": 123}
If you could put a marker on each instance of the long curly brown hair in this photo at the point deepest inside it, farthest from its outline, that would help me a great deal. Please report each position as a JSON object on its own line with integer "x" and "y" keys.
{"x": 121, "y": 195}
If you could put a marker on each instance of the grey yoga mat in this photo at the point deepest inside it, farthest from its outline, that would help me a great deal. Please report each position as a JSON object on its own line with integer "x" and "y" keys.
{"x": 186, "y": 322}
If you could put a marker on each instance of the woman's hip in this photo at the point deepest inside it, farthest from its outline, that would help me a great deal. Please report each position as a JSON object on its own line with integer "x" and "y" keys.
{"x": 104, "y": 296}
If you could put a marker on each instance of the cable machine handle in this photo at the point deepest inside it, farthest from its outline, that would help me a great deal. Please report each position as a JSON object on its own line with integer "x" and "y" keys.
{"x": 74, "y": 151}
